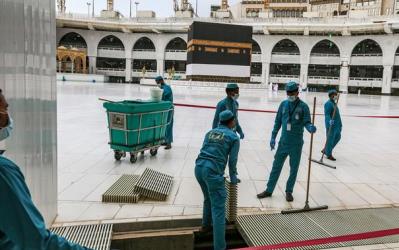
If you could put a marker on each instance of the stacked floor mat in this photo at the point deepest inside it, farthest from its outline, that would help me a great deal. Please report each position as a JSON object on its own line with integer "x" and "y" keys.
{"x": 231, "y": 201}
{"x": 130, "y": 188}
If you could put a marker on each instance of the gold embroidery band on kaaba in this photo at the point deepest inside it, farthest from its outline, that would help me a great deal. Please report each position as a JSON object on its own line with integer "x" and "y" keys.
{"x": 219, "y": 44}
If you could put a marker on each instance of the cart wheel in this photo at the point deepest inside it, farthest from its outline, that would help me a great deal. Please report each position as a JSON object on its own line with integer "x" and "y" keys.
{"x": 118, "y": 155}
{"x": 133, "y": 157}
{"x": 154, "y": 151}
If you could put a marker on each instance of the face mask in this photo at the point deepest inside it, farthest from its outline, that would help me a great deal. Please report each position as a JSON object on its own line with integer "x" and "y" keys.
{"x": 159, "y": 85}
{"x": 236, "y": 96}
{"x": 291, "y": 98}
{"x": 6, "y": 131}
{"x": 335, "y": 98}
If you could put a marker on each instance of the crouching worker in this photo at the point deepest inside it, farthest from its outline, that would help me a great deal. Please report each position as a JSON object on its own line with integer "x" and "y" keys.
{"x": 22, "y": 226}
{"x": 221, "y": 145}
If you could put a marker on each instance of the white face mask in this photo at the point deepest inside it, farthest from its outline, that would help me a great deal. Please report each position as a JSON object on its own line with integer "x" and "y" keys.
{"x": 236, "y": 96}
{"x": 335, "y": 98}
{"x": 291, "y": 98}
{"x": 6, "y": 131}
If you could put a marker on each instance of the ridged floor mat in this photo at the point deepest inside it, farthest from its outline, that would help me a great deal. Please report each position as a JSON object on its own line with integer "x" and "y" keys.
{"x": 154, "y": 184}
{"x": 270, "y": 229}
{"x": 231, "y": 201}
{"x": 122, "y": 191}
{"x": 97, "y": 237}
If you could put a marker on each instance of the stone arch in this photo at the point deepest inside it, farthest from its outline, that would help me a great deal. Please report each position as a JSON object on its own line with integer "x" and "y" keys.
{"x": 325, "y": 46}
{"x": 176, "y": 44}
{"x": 111, "y": 42}
{"x": 286, "y": 46}
{"x": 73, "y": 40}
{"x": 144, "y": 44}
{"x": 367, "y": 47}
{"x": 256, "y": 49}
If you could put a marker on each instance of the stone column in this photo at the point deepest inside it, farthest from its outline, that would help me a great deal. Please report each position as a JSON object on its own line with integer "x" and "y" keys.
{"x": 344, "y": 77}
{"x": 387, "y": 80}
{"x": 160, "y": 66}
{"x": 128, "y": 70}
{"x": 72, "y": 67}
{"x": 265, "y": 73}
{"x": 303, "y": 78}
{"x": 92, "y": 65}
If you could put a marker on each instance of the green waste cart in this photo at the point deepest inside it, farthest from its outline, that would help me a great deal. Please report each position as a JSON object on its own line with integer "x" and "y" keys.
{"x": 136, "y": 126}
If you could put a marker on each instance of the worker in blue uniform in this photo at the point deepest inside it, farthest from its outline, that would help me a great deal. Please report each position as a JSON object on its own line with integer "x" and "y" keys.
{"x": 221, "y": 146}
{"x": 22, "y": 226}
{"x": 334, "y": 122}
{"x": 293, "y": 116}
{"x": 229, "y": 103}
{"x": 167, "y": 95}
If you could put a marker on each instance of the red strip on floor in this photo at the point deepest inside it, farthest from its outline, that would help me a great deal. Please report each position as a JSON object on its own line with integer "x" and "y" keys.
{"x": 322, "y": 241}
{"x": 273, "y": 111}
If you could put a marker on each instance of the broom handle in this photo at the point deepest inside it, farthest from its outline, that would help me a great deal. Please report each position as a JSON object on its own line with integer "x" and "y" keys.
{"x": 105, "y": 100}
{"x": 330, "y": 128}
{"x": 310, "y": 154}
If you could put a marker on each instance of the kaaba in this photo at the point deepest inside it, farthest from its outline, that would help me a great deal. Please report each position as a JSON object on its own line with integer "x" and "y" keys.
{"x": 219, "y": 52}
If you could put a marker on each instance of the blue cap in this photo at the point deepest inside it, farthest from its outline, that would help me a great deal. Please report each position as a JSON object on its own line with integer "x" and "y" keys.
{"x": 291, "y": 86}
{"x": 158, "y": 78}
{"x": 332, "y": 91}
{"x": 232, "y": 86}
{"x": 225, "y": 115}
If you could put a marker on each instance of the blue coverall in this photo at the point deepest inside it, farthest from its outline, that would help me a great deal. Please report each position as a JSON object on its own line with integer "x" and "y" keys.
{"x": 21, "y": 225}
{"x": 335, "y": 134}
{"x": 291, "y": 141}
{"x": 227, "y": 104}
{"x": 167, "y": 95}
{"x": 221, "y": 145}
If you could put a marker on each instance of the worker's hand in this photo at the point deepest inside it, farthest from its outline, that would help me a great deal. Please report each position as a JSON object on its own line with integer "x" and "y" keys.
{"x": 272, "y": 143}
{"x": 241, "y": 135}
{"x": 331, "y": 122}
{"x": 311, "y": 128}
{"x": 234, "y": 179}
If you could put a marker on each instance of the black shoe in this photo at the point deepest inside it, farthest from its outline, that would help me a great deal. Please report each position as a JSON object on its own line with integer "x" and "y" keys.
{"x": 264, "y": 194}
{"x": 206, "y": 229}
{"x": 289, "y": 197}
{"x": 323, "y": 152}
{"x": 331, "y": 158}
{"x": 168, "y": 146}
{"x": 164, "y": 144}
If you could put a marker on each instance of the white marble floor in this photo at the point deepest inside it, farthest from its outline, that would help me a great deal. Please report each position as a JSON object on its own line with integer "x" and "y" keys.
{"x": 367, "y": 167}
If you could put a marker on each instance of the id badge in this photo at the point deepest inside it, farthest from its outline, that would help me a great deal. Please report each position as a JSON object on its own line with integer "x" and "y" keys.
{"x": 288, "y": 126}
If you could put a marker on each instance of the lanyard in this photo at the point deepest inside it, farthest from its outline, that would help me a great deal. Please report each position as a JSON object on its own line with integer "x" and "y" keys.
{"x": 290, "y": 113}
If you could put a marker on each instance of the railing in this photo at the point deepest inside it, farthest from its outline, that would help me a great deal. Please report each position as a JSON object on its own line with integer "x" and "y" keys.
{"x": 324, "y": 77}
{"x": 256, "y": 75}
{"x": 278, "y": 21}
{"x": 324, "y": 55}
{"x": 364, "y": 79}
{"x": 111, "y": 69}
{"x": 374, "y": 54}
{"x": 141, "y": 71}
{"x": 175, "y": 50}
{"x": 286, "y": 53}
{"x": 284, "y": 76}
{"x": 144, "y": 50}
{"x": 256, "y": 53}
{"x": 112, "y": 48}
{"x": 78, "y": 46}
